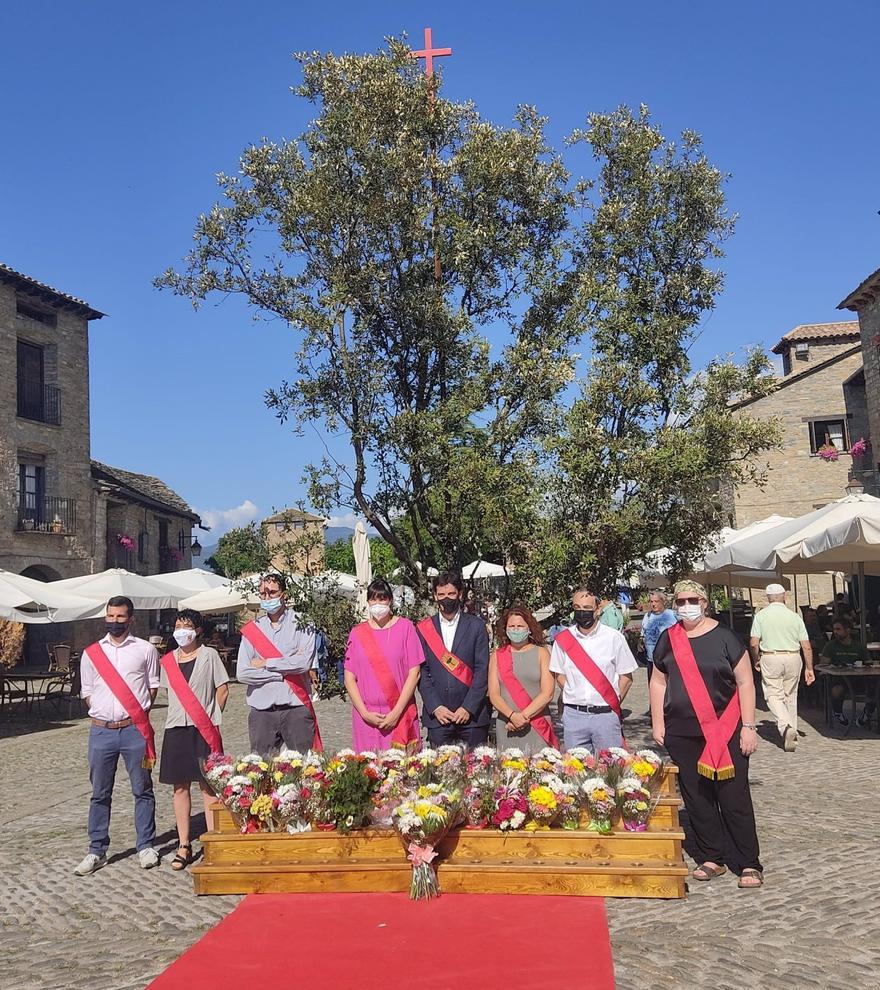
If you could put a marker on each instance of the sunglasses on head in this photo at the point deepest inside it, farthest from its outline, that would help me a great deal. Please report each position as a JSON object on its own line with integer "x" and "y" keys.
{"x": 687, "y": 601}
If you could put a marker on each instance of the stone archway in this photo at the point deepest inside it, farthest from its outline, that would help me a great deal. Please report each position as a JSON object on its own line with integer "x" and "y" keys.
{"x": 40, "y": 572}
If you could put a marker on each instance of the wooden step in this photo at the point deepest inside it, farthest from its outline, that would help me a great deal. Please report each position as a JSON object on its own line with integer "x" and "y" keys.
{"x": 637, "y": 878}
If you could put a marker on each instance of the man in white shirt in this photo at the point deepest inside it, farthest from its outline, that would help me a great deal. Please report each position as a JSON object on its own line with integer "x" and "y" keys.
{"x": 587, "y": 717}
{"x": 114, "y": 734}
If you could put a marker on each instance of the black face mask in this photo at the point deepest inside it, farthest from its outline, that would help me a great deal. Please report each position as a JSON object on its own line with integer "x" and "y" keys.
{"x": 449, "y": 606}
{"x": 585, "y": 617}
{"x": 117, "y": 629}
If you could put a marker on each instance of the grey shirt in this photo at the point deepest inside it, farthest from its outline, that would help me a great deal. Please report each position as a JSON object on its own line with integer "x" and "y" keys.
{"x": 207, "y": 675}
{"x": 265, "y": 685}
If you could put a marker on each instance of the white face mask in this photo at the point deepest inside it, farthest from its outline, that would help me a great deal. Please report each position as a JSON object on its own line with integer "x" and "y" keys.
{"x": 690, "y": 613}
{"x": 183, "y": 637}
{"x": 379, "y": 610}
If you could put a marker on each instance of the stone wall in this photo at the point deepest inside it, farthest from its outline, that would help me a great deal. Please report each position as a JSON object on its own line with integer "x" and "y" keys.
{"x": 133, "y": 519}
{"x": 62, "y": 450}
{"x": 818, "y": 352}
{"x": 798, "y": 481}
{"x": 869, "y": 319}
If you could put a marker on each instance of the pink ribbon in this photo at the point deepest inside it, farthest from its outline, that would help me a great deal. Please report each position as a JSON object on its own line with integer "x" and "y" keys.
{"x": 421, "y": 855}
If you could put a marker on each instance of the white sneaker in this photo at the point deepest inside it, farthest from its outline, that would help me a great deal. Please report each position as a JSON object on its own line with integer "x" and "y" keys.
{"x": 148, "y": 858}
{"x": 91, "y": 864}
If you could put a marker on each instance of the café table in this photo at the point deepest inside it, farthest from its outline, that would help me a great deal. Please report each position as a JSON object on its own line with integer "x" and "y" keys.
{"x": 849, "y": 675}
{"x": 24, "y": 685}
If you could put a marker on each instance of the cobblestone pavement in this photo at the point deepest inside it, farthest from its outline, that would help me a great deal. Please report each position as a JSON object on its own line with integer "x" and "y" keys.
{"x": 816, "y": 922}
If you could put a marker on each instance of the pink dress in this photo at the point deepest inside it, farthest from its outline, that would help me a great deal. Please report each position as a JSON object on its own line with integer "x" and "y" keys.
{"x": 403, "y": 650}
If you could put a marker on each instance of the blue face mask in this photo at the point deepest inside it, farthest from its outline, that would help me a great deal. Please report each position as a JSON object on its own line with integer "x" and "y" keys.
{"x": 516, "y": 635}
{"x": 270, "y": 604}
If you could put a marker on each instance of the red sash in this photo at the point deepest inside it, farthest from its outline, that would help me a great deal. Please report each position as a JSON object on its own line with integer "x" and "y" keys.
{"x": 540, "y": 723}
{"x": 269, "y": 651}
{"x": 457, "y": 667}
{"x": 587, "y": 666}
{"x": 715, "y": 762}
{"x": 405, "y": 731}
{"x": 125, "y": 696}
{"x": 191, "y": 704}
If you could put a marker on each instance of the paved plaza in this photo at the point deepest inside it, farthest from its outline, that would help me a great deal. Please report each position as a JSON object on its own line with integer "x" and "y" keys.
{"x": 816, "y": 923}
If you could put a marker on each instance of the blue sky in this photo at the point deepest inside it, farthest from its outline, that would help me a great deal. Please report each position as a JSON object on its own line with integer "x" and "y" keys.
{"x": 117, "y": 117}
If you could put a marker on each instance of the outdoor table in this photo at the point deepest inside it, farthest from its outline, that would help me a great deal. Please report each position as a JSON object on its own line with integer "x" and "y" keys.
{"x": 849, "y": 675}
{"x": 25, "y": 681}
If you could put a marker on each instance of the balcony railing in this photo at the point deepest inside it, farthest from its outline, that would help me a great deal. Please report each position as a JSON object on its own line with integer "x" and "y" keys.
{"x": 39, "y": 402}
{"x": 118, "y": 556}
{"x": 46, "y": 514}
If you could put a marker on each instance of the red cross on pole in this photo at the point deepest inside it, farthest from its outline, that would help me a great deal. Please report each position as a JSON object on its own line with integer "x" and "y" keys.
{"x": 429, "y": 53}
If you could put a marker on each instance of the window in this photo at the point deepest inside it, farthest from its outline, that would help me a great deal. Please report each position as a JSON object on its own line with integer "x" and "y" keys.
{"x": 32, "y": 313}
{"x": 31, "y": 492}
{"x": 802, "y": 351}
{"x": 163, "y": 534}
{"x": 143, "y": 546}
{"x": 828, "y": 432}
{"x": 36, "y": 400}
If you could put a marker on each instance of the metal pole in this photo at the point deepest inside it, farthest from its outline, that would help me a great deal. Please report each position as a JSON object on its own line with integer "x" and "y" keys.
{"x": 809, "y": 598}
{"x": 833, "y": 594}
{"x": 862, "y": 601}
{"x": 730, "y": 604}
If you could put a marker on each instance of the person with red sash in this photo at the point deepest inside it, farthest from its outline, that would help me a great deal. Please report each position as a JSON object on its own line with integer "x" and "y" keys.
{"x": 383, "y": 661}
{"x": 119, "y": 677}
{"x": 197, "y": 686}
{"x": 274, "y": 660}
{"x": 520, "y": 683}
{"x": 703, "y": 712}
{"x": 455, "y": 671}
{"x": 593, "y": 665}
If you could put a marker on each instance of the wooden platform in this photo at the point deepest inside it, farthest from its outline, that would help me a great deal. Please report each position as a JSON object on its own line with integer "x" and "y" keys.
{"x": 555, "y": 861}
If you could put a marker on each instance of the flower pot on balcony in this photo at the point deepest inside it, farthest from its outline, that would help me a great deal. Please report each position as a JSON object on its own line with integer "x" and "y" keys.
{"x": 57, "y": 526}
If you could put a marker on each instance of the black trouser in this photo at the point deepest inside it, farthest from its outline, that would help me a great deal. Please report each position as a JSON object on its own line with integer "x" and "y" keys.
{"x": 270, "y": 729}
{"x": 470, "y": 735}
{"x": 713, "y": 805}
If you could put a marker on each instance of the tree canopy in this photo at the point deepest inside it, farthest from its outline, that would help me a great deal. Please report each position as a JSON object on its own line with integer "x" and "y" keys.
{"x": 536, "y": 403}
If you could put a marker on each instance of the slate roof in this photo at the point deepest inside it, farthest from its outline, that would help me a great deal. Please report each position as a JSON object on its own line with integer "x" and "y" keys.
{"x": 847, "y": 330}
{"x": 30, "y": 286}
{"x": 145, "y": 488}
{"x": 293, "y": 515}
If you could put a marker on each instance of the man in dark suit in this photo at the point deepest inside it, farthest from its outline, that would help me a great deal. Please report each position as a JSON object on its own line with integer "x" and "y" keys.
{"x": 455, "y": 671}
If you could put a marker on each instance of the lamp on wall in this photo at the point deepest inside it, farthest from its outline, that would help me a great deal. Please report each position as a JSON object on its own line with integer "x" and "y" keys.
{"x": 854, "y": 487}
{"x": 196, "y": 548}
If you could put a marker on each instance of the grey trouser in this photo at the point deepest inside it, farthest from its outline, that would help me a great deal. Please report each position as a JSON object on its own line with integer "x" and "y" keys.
{"x": 276, "y": 728}
{"x": 596, "y": 731}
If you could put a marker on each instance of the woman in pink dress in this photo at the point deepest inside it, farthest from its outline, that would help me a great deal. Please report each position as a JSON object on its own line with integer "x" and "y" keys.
{"x": 382, "y": 664}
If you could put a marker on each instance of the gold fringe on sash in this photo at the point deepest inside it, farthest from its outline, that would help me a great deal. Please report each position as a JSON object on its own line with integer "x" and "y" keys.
{"x": 725, "y": 773}
{"x": 147, "y": 763}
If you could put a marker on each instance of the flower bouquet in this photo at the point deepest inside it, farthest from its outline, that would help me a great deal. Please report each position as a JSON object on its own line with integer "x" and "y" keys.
{"x": 544, "y": 799}
{"x": 569, "y": 805}
{"x": 546, "y": 760}
{"x": 612, "y": 764}
{"x": 513, "y": 760}
{"x": 217, "y": 769}
{"x": 600, "y": 799}
{"x": 352, "y": 781}
{"x": 287, "y": 767}
{"x": 449, "y": 766}
{"x": 239, "y": 794}
{"x": 634, "y": 801}
{"x": 648, "y": 767}
{"x": 421, "y": 822}
{"x": 478, "y": 800}
{"x": 290, "y": 808}
{"x": 313, "y": 788}
{"x": 418, "y": 767}
{"x": 511, "y": 805}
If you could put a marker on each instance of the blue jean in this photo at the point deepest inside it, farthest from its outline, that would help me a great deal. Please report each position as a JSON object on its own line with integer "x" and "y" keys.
{"x": 596, "y": 731}
{"x": 105, "y": 748}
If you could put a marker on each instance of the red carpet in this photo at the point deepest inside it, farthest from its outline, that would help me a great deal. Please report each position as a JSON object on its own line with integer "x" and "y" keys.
{"x": 385, "y": 941}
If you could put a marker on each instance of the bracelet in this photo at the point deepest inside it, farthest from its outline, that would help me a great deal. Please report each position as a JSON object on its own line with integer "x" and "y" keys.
{"x": 749, "y": 725}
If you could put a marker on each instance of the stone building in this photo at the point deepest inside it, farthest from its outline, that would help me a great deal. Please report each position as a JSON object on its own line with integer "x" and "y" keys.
{"x": 62, "y": 514}
{"x": 295, "y": 540}
{"x": 820, "y": 404}
{"x": 865, "y": 302}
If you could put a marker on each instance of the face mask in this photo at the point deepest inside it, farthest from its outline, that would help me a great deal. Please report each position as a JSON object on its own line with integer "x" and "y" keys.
{"x": 380, "y": 610}
{"x": 270, "y": 604}
{"x": 449, "y": 606}
{"x": 690, "y": 613}
{"x": 117, "y": 629}
{"x": 585, "y": 617}
{"x": 516, "y": 635}
{"x": 183, "y": 637}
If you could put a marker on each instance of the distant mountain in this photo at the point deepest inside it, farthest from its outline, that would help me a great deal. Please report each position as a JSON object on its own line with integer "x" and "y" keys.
{"x": 334, "y": 533}
{"x": 207, "y": 553}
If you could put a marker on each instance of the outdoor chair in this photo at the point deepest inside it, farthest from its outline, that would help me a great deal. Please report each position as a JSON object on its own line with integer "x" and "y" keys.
{"x": 9, "y": 693}
{"x": 59, "y": 660}
{"x": 64, "y": 685}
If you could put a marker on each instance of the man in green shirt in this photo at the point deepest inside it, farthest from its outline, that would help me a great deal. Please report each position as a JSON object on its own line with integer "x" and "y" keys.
{"x": 777, "y": 640}
{"x": 610, "y": 615}
{"x": 844, "y": 650}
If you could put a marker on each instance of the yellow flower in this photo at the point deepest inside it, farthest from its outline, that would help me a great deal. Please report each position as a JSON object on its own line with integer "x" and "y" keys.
{"x": 600, "y": 794}
{"x": 641, "y": 806}
{"x": 422, "y": 808}
{"x": 261, "y": 807}
{"x": 543, "y": 796}
{"x": 513, "y": 765}
{"x": 438, "y": 812}
{"x": 264, "y": 766}
{"x": 278, "y": 775}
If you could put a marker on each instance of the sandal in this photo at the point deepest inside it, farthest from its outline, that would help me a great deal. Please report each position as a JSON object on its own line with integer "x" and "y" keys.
{"x": 750, "y": 874}
{"x": 709, "y": 872}
{"x": 182, "y": 862}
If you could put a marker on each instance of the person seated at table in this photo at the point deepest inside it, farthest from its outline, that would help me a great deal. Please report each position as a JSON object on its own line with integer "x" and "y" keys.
{"x": 824, "y": 619}
{"x": 844, "y": 650}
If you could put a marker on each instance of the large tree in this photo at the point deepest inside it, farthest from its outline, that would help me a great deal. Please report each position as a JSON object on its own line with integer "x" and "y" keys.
{"x": 343, "y": 234}
{"x": 649, "y": 442}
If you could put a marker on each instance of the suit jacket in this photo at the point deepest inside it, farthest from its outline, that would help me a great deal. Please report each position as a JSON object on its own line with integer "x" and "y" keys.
{"x": 438, "y": 687}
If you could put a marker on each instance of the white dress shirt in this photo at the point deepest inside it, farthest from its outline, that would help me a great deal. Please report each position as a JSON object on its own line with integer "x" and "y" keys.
{"x": 448, "y": 628}
{"x": 138, "y": 663}
{"x": 608, "y": 649}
